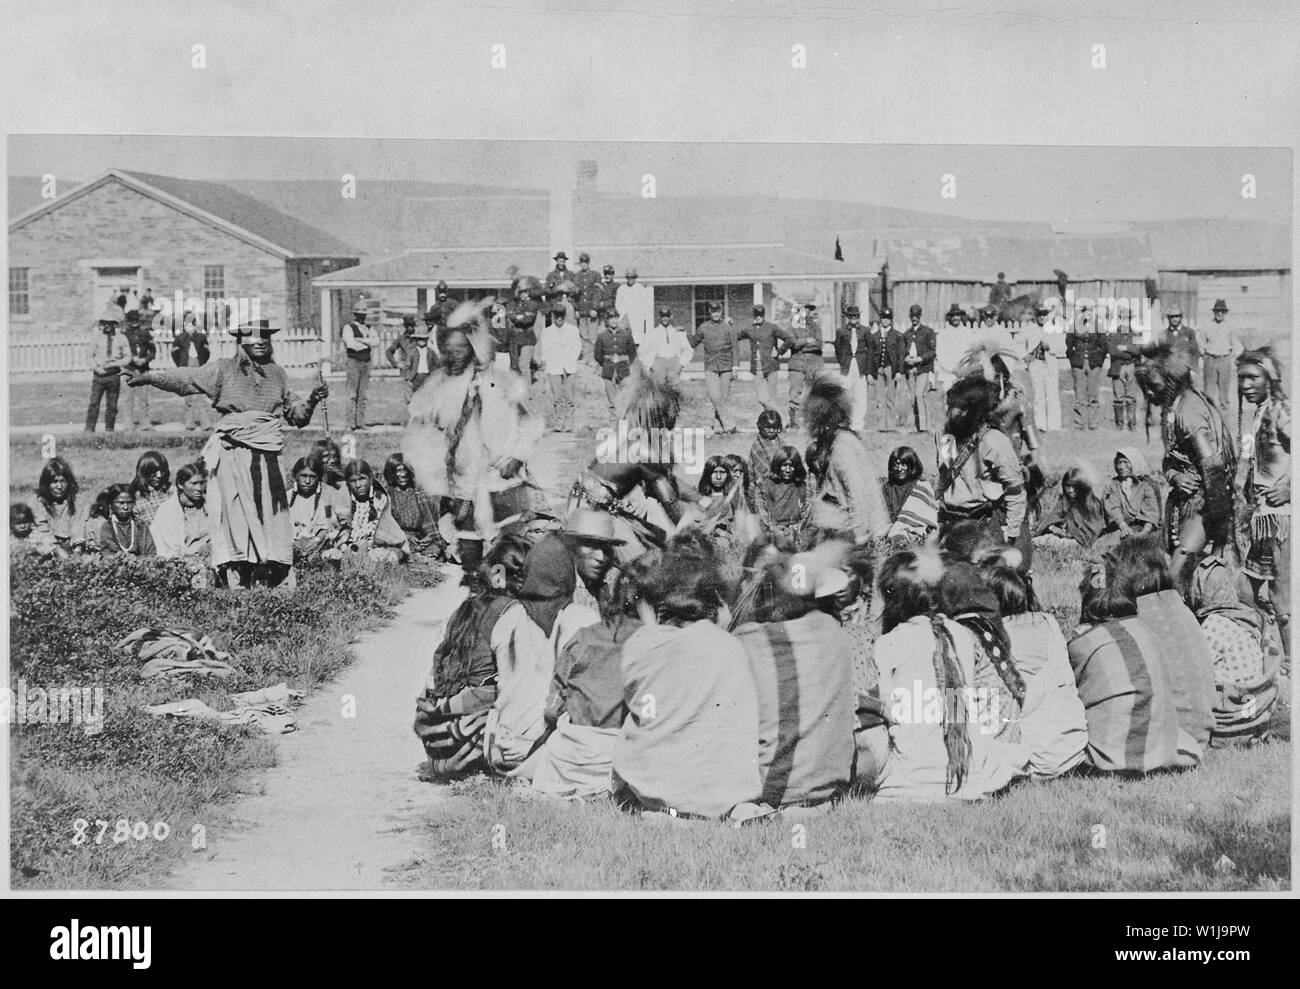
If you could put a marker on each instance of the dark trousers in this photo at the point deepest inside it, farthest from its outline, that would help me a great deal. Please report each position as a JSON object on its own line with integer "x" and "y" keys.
{"x": 103, "y": 386}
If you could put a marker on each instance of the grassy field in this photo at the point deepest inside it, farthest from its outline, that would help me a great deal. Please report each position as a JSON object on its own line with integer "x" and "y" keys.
{"x": 1165, "y": 833}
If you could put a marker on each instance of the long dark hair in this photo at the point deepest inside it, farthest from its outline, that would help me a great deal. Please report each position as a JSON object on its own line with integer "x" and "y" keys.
{"x": 1085, "y": 501}
{"x": 909, "y": 593}
{"x": 393, "y": 462}
{"x": 788, "y": 455}
{"x": 620, "y": 606}
{"x": 1138, "y": 566}
{"x": 104, "y": 500}
{"x": 686, "y": 584}
{"x": 55, "y": 468}
{"x": 464, "y": 623}
{"x": 908, "y": 457}
{"x": 361, "y": 468}
{"x": 150, "y": 461}
{"x": 828, "y": 410}
{"x": 706, "y": 478}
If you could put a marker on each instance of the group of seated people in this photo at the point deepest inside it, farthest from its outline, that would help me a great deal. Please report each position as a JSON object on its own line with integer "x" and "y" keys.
{"x": 1096, "y": 518}
{"x": 339, "y": 511}
{"x": 914, "y": 669}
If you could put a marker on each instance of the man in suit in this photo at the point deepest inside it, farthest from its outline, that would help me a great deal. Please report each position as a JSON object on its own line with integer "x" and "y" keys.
{"x": 766, "y": 340}
{"x": 918, "y": 363}
{"x": 588, "y": 310}
{"x": 190, "y": 348}
{"x": 851, "y": 355}
{"x": 1085, "y": 349}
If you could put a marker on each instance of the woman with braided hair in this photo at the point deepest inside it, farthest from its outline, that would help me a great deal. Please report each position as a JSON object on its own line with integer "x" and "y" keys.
{"x": 926, "y": 661}
{"x": 1267, "y": 449}
{"x": 470, "y": 436}
{"x": 1200, "y": 459}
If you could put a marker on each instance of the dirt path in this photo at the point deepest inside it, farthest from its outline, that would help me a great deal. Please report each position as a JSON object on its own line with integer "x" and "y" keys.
{"x": 335, "y": 812}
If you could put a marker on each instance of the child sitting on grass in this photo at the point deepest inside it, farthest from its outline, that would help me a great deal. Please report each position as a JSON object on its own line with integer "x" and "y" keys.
{"x": 784, "y": 508}
{"x": 22, "y": 540}
{"x": 56, "y": 515}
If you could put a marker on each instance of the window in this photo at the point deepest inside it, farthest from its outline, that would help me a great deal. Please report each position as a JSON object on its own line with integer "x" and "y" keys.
{"x": 703, "y": 295}
{"x": 18, "y": 296}
{"x": 214, "y": 290}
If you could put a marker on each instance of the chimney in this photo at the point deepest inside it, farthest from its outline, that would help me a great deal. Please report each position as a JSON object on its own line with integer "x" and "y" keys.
{"x": 586, "y": 187}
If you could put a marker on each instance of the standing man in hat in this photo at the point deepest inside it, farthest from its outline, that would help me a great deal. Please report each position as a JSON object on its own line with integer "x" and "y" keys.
{"x": 918, "y": 362}
{"x": 588, "y": 311}
{"x": 604, "y": 294}
{"x": 883, "y": 345}
{"x": 851, "y": 352}
{"x": 999, "y": 294}
{"x": 664, "y": 348}
{"x": 766, "y": 340}
{"x": 1219, "y": 346}
{"x": 443, "y": 307}
{"x": 359, "y": 343}
{"x": 1122, "y": 348}
{"x": 108, "y": 354}
{"x": 560, "y": 273}
{"x": 411, "y": 355}
{"x": 249, "y": 523}
{"x": 636, "y": 302}
{"x": 614, "y": 353}
{"x": 1044, "y": 379}
{"x": 190, "y": 349}
{"x": 1185, "y": 337}
{"x": 1085, "y": 348}
{"x": 719, "y": 340}
{"x": 806, "y": 360}
{"x": 139, "y": 338}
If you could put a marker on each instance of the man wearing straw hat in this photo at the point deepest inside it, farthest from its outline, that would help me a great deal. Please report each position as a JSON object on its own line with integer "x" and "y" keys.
{"x": 252, "y": 534}
{"x": 591, "y": 539}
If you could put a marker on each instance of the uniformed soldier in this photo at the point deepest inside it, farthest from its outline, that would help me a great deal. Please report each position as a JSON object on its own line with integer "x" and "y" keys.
{"x": 719, "y": 339}
{"x": 1122, "y": 348}
{"x": 918, "y": 363}
{"x": 1085, "y": 349}
{"x": 884, "y": 357}
{"x": 806, "y": 359}
{"x": 444, "y": 306}
{"x": 614, "y": 352}
{"x": 604, "y": 293}
{"x": 766, "y": 341}
{"x": 524, "y": 321}
{"x": 139, "y": 338}
{"x": 588, "y": 311}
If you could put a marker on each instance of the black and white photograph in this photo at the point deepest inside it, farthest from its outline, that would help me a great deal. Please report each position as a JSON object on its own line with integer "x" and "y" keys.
{"x": 601, "y": 450}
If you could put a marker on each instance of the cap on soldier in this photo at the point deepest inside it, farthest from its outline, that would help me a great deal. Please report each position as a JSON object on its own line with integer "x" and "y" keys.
{"x": 442, "y": 286}
{"x": 760, "y": 310}
{"x": 611, "y": 313}
{"x": 584, "y": 256}
{"x": 915, "y": 309}
{"x": 665, "y": 311}
{"x": 408, "y": 320}
{"x": 886, "y": 313}
{"x": 852, "y": 311}
{"x": 715, "y": 306}
{"x": 609, "y": 269}
{"x": 561, "y": 256}
{"x": 630, "y": 271}
{"x": 1220, "y": 306}
{"x": 1174, "y": 309}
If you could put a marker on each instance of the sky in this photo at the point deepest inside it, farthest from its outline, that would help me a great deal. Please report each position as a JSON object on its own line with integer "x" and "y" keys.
{"x": 1076, "y": 184}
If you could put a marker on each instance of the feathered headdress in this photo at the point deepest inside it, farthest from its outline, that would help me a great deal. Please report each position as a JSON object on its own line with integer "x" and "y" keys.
{"x": 472, "y": 318}
{"x": 648, "y": 400}
{"x": 979, "y": 359}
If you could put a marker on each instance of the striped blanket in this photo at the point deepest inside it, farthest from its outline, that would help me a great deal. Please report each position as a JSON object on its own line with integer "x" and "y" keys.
{"x": 1133, "y": 723}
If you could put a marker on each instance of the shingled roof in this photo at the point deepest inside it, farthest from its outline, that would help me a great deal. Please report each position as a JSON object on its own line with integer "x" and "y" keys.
{"x": 660, "y": 265}
{"x": 220, "y": 205}
{"x": 971, "y": 256}
{"x": 1219, "y": 245}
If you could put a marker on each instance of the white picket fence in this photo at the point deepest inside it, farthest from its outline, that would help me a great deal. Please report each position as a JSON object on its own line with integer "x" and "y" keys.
{"x": 33, "y": 352}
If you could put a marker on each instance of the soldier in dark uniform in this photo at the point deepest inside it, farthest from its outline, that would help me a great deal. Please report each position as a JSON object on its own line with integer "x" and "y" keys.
{"x": 1085, "y": 349}
{"x": 806, "y": 360}
{"x": 524, "y": 320}
{"x": 719, "y": 339}
{"x": 190, "y": 348}
{"x": 614, "y": 352}
{"x": 919, "y": 347}
{"x": 588, "y": 311}
{"x": 1122, "y": 347}
{"x": 603, "y": 293}
{"x": 851, "y": 355}
{"x": 560, "y": 273}
{"x": 139, "y": 338}
{"x": 882, "y": 345}
{"x": 766, "y": 341}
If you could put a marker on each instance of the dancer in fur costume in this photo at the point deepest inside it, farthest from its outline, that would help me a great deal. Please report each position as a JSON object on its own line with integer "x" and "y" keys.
{"x": 1200, "y": 458}
{"x": 470, "y": 436}
{"x": 631, "y": 476}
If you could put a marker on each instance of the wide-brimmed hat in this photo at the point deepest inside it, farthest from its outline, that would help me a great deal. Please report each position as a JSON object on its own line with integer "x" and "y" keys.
{"x": 1220, "y": 306}
{"x": 852, "y": 311}
{"x": 954, "y": 310}
{"x": 254, "y": 328}
{"x": 915, "y": 309}
{"x": 585, "y": 525}
{"x": 560, "y": 256}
